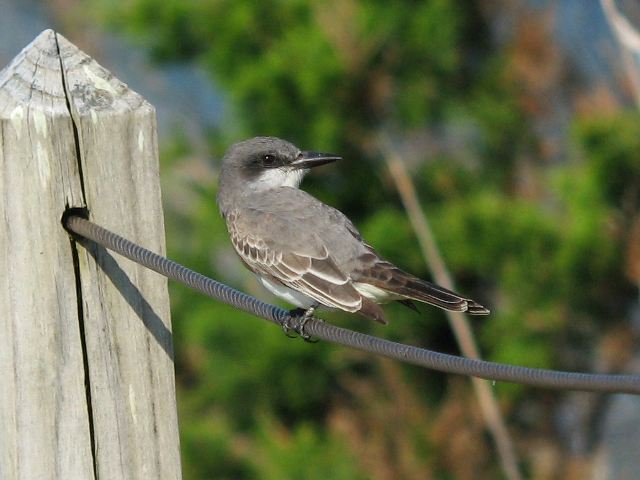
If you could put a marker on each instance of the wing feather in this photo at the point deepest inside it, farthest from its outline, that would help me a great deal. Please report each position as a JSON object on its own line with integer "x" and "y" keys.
{"x": 307, "y": 268}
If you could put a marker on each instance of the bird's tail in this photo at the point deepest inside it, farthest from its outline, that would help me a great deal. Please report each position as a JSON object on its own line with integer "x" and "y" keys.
{"x": 386, "y": 276}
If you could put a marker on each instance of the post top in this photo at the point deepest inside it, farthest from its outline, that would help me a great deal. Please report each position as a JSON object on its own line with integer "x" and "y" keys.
{"x": 51, "y": 74}
{"x": 33, "y": 79}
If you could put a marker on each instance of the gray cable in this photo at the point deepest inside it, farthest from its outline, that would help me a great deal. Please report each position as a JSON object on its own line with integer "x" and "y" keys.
{"x": 325, "y": 331}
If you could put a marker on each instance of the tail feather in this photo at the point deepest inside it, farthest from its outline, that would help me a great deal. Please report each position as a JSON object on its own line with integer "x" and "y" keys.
{"x": 390, "y": 278}
{"x": 409, "y": 304}
{"x": 371, "y": 310}
{"x": 476, "y": 309}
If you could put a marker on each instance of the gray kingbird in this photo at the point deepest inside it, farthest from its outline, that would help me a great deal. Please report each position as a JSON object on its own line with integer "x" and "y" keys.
{"x": 304, "y": 251}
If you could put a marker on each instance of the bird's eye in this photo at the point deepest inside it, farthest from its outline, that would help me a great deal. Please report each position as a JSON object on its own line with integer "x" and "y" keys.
{"x": 269, "y": 159}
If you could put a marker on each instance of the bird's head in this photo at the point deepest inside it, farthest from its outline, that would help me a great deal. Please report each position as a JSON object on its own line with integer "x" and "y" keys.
{"x": 268, "y": 162}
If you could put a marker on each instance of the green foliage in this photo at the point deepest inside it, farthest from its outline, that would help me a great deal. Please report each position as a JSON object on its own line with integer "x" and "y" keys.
{"x": 217, "y": 336}
{"x": 303, "y": 452}
{"x": 612, "y": 148}
{"x": 497, "y": 114}
{"x": 322, "y": 74}
{"x": 207, "y": 451}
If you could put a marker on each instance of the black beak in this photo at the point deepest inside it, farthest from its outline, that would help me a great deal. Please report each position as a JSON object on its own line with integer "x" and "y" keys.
{"x": 313, "y": 159}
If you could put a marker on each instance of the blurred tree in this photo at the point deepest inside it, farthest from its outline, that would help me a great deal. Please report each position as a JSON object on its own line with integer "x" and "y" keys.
{"x": 329, "y": 74}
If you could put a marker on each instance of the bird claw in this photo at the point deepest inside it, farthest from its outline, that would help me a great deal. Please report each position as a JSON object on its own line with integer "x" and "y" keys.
{"x": 288, "y": 330}
{"x": 298, "y": 318}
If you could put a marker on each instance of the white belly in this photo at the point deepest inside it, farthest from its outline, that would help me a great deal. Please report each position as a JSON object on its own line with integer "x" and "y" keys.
{"x": 288, "y": 294}
{"x": 374, "y": 293}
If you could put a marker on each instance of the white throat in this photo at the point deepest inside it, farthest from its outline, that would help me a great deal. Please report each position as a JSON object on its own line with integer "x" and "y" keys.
{"x": 280, "y": 177}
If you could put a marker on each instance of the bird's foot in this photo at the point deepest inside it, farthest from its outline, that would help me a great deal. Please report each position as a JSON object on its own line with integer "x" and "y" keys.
{"x": 298, "y": 317}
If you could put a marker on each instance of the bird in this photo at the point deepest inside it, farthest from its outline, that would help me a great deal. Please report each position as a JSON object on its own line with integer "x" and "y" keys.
{"x": 305, "y": 251}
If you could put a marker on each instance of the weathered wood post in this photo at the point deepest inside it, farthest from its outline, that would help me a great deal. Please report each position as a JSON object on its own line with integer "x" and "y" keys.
{"x": 86, "y": 364}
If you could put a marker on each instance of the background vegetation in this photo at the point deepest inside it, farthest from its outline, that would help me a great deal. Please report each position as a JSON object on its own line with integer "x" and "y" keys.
{"x": 536, "y": 217}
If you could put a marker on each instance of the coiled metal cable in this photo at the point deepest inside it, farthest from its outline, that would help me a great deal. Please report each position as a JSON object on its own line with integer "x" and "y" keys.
{"x": 325, "y": 331}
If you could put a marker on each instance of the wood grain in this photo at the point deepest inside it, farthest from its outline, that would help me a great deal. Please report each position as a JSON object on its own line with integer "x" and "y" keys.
{"x": 86, "y": 361}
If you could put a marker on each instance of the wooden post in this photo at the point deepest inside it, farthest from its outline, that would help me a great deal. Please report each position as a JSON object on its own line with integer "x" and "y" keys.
{"x": 86, "y": 363}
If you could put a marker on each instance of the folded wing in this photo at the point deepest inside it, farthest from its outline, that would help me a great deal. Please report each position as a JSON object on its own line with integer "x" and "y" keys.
{"x": 303, "y": 264}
